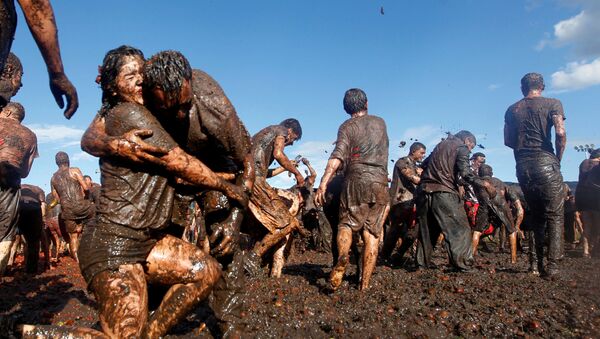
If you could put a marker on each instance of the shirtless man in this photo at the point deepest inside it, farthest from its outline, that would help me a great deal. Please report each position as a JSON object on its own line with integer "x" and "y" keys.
{"x": 265, "y": 203}
{"x": 94, "y": 189}
{"x": 69, "y": 189}
{"x": 32, "y": 207}
{"x": 18, "y": 148}
{"x": 496, "y": 211}
{"x": 40, "y": 19}
{"x": 587, "y": 204}
{"x": 403, "y": 215}
{"x": 362, "y": 145}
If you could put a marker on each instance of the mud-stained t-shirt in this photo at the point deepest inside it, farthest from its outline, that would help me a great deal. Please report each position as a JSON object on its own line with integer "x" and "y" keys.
{"x": 403, "y": 189}
{"x": 214, "y": 133}
{"x": 18, "y": 144}
{"x": 448, "y": 162}
{"x": 263, "y": 144}
{"x": 504, "y": 194}
{"x": 529, "y": 124}
{"x": 73, "y": 203}
{"x": 362, "y": 145}
{"x": 135, "y": 196}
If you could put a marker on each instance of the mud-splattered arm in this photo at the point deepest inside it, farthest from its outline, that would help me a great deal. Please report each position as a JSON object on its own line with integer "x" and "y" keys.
{"x": 40, "y": 19}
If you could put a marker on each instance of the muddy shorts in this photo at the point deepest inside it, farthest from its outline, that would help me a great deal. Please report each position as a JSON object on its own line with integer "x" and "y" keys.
{"x": 363, "y": 205}
{"x": 486, "y": 217}
{"x": 108, "y": 246}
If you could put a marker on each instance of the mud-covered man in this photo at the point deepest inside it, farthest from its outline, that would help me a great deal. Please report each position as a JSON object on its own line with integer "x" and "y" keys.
{"x": 471, "y": 202}
{"x": 69, "y": 189}
{"x": 362, "y": 146}
{"x": 528, "y": 131}
{"x": 496, "y": 211}
{"x": 265, "y": 203}
{"x": 40, "y": 19}
{"x": 439, "y": 205}
{"x": 94, "y": 189}
{"x": 403, "y": 213}
{"x": 18, "y": 148}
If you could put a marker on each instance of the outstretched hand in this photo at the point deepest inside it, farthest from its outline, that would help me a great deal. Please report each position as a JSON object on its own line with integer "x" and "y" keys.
{"x": 320, "y": 196}
{"x": 229, "y": 233}
{"x": 59, "y": 86}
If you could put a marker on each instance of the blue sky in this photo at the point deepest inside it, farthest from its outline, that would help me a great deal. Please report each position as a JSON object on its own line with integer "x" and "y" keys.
{"x": 426, "y": 66}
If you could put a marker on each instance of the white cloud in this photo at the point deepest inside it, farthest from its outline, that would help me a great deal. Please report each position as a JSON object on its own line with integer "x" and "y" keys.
{"x": 493, "y": 87}
{"x": 581, "y": 31}
{"x": 577, "y": 75}
{"x": 82, "y": 156}
{"x": 56, "y": 133}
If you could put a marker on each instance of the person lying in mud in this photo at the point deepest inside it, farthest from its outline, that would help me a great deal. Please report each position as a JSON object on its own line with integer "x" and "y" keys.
{"x": 131, "y": 245}
{"x": 439, "y": 207}
{"x": 403, "y": 213}
{"x": 496, "y": 211}
{"x": 362, "y": 145}
{"x": 69, "y": 189}
{"x": 267, "y": 206}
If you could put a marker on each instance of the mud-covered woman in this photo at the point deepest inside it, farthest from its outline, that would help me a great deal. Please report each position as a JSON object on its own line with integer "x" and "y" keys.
{"x": 131, "y": 245}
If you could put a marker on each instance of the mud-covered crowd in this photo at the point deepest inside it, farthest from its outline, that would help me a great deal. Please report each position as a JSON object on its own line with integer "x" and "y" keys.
{"x": 185, "y": 201}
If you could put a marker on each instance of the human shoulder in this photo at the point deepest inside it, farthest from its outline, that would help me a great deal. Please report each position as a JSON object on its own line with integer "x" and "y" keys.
{"x": 404, "y": 162}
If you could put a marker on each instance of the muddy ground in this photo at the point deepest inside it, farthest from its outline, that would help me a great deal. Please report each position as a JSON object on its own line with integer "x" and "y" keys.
{"x": 496, "y": 300}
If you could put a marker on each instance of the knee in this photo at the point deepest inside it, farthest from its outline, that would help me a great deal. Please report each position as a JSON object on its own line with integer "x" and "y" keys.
{"x": 210, "y": 274}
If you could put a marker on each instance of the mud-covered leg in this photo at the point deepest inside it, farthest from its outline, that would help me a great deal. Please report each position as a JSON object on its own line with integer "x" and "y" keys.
{"x": 369, "y": 257}
{"x": 475, "y": 241}
{"x": 192, "y": 273}
{"x": 74, "y": 245}
{"x": 274, "y": 238}
{"x": 344, "y": 241}
{"x": 278, "y": 259}
{"x": 513, "y": 247}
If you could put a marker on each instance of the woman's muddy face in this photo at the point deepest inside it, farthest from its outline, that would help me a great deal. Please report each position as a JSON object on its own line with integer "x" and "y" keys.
{"x": 129, "y": 80}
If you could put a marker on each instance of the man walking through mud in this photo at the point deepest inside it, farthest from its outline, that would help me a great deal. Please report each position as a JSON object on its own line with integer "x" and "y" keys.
{"x": 528, "y": 131}
{"x": 439, "y": 206}
{"x": 362, "y": 146}
{"x": 69, "y": 189}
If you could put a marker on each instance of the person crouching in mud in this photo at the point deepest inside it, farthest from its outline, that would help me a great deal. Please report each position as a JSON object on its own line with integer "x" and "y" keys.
{"x": 130, "y": 245}
{"x": 362, "y": 145}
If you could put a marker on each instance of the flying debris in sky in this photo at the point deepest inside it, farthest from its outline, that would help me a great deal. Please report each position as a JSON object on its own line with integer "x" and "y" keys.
{"x": 381, "y": 10}
{"x": 402, "y": 143}
{"x": 481, "y": 146}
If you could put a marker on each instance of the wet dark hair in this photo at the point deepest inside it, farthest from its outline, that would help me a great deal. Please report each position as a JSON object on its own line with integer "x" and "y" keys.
{"x": 595, "y": 153}
{"x": 294, "y": 125}
{"x": 167, "y": 70}
{"x": 416, "y": 146}
{"x": 111, "y": 65}
{"x": 486, "y": 171}
{"x": 12, "y": 67}
{"x": 18, "y": 110}
{"x": 355, "y": 100}
{"x": 532, "y": 81}
{"x": 465, "y": 135}
{"x": 477, "y": 155}
{"x": 61, "y": 158}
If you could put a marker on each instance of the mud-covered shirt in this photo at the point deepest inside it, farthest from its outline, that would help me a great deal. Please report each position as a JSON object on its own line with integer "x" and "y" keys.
{"x": 134, "y": 196}
{"x": 403, "y": 189}
{"x": 263, "y": 144}
{"x": 74, "y": 205}
{"x": 362, "y": 146}
{"x": 214, "y": 132}
{"x": 529, "y": 124}
{"x": 448, "y": 162}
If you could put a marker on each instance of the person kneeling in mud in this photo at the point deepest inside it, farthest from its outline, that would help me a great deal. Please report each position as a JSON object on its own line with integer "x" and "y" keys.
{"x": 496, "y": 212}
{"x": 267, "y": 206}
{"x": 130, "y": 245}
